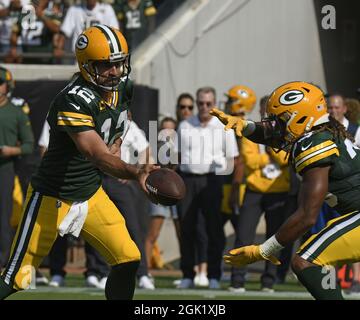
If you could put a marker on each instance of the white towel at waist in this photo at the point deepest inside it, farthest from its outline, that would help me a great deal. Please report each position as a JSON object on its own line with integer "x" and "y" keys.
{"x": 74, "y": 219}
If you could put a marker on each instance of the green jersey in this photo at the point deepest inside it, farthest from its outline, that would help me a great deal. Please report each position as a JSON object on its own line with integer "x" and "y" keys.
{"x": 135, "y": 20}
{"x": 321, "y": 149}
{"x": 15, "y": 127}
{"x": 64, "y": 172}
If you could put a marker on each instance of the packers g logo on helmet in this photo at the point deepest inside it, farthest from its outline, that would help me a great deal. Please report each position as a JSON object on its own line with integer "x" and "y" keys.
{"x": 291, "y": 97}
{"x": 82, "y": 42}
{"x": 299, "y": 106}
{"x": 101, "y": 43}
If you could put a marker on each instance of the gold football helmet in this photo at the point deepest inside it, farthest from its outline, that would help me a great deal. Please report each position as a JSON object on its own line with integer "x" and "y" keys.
{"x": 298, "y": 106}
{"x": 241, "y": 100}
{"x": 102, "y": 43}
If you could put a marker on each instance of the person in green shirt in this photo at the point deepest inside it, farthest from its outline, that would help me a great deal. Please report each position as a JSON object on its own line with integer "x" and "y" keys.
{"x": 16, "y": 139}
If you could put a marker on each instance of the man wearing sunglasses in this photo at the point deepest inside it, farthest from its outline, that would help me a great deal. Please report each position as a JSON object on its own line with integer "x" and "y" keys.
{"x": 16, "y": 139}
{"x": 206, "y": 151}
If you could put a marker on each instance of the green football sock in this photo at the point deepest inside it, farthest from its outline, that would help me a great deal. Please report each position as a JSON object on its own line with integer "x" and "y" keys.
{"x": 5, "y": 290}
{"x": 313, "y": 279}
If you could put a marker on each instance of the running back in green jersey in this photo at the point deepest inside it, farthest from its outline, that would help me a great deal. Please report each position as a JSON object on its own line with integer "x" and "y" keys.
{"x": 321, "y": 149}
{"x": 64, "y": 172}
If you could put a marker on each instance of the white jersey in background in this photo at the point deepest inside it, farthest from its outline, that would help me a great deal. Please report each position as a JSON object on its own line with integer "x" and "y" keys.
{"x": 78, "y": 18}
{"x": 6, "y": 23}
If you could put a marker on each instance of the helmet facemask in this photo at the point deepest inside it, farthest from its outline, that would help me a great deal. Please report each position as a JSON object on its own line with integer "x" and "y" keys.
{"x": 109, "y": 83}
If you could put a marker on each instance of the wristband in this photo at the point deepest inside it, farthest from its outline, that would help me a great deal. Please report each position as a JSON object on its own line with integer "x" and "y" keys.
{"x": 270, "y": 247}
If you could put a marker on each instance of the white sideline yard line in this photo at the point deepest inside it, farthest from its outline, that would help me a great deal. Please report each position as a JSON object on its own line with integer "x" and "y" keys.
{"x": 209, "y": 294}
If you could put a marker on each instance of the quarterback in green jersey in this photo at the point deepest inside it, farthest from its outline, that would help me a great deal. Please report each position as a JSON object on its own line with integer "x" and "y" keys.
{"x": 87, "y": 119}
{"x": 323, "y": 154}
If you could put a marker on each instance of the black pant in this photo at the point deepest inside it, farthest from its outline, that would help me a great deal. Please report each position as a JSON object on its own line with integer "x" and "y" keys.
{"x": 7, "y": 177}
{"x": 253, "y": 207}
{"x": 129, "y": 200}
{"x": 203, "y": 196}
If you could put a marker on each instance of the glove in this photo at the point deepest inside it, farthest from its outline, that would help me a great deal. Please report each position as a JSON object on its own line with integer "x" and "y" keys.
{"x": 230, "y": 122}
{"x": 240, "y": 257}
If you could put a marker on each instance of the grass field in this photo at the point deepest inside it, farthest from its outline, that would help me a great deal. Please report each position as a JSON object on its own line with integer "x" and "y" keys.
{"x": 75, "y": 290}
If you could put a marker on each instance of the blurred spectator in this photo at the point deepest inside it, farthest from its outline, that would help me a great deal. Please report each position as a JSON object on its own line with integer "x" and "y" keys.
{"x": 185, "y": 110}
{"x": 80, "y": 17}
{"x": 10, "y": 11}
{"x": 337, "y": 109}
{"x": 240, "y": 102}
{"x": 206, "y": 152}
{"x": 16, "y": 139}
{"x": 353, "y": 110}
{"x": 137, "y": 19}
{"x": 267, "y": 187}
{"x": 184, "y": 107}
{"x": 159, "y": 212}
{"x": 37, "y": 28}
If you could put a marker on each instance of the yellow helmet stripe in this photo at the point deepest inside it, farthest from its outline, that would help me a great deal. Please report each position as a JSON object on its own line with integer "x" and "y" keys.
{"x": 111, "y": 38}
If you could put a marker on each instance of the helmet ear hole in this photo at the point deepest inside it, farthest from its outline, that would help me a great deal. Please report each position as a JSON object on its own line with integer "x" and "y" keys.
{"x": 302, "y": 120}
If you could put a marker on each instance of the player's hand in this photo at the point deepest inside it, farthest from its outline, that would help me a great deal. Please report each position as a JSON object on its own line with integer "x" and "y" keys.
{"x": 240, "y": 257}
{"x": 116, "y": 147}
{"x": 230, "y": 122}
{"x": 144, "y": 173}
{"x": 7, "y": 152}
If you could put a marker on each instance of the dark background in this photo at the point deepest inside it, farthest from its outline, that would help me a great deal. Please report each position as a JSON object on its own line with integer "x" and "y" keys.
{"x": 340, "y": 48}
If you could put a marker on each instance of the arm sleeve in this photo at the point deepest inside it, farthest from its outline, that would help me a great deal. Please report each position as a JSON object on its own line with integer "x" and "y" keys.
{"x": 45, "y": 135}
{"x": 73, "y": 115}
{"x": 26, "y": 136}
{"x": 263, "y": 134}
{"x": 312, "y": 152}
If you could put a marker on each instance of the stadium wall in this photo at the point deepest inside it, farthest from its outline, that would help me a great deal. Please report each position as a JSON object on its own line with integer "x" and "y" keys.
{"x": 258, "y": 43}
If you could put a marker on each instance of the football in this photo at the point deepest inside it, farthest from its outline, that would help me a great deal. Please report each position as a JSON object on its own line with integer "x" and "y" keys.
{"x": 165, "y": 186}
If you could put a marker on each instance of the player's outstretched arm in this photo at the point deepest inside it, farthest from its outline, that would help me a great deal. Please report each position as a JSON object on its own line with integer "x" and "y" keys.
{"x": 90, "y": 144}
{"x": 231, "y": 122}
{"x": 312, "y": 194}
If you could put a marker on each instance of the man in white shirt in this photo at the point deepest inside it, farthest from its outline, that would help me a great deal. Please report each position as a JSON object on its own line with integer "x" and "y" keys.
{"x": 80, "y": 17}
{"x": 337, "y": 109}
{"x": 207, "y": 152}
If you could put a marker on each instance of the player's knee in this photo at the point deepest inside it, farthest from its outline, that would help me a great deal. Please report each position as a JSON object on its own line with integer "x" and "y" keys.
{"x": 298, "y": 264}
